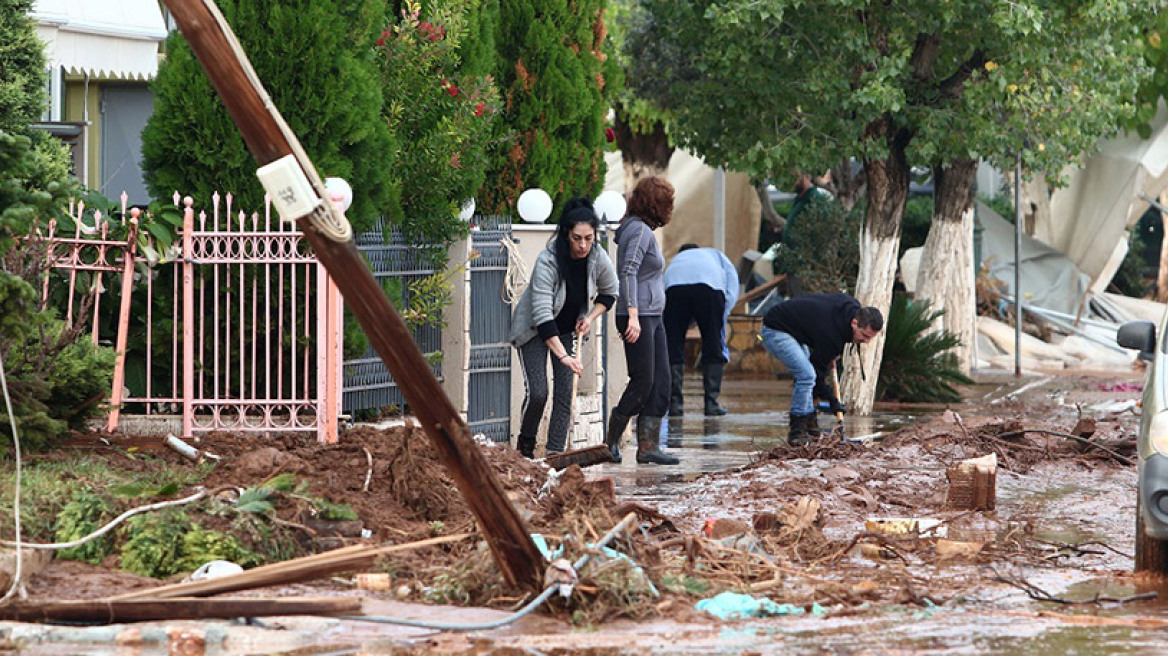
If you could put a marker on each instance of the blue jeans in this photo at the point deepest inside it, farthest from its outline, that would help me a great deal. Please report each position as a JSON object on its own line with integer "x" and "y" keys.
{"x": 797, "y": 359}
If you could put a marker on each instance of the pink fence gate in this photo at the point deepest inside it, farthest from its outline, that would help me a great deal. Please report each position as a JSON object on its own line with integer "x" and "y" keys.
{"x": 240, "y": 328}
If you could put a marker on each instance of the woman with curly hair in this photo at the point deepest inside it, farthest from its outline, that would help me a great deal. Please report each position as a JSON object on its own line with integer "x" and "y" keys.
{"x": 573, "y": 282}
{"x": 639, "y": 309}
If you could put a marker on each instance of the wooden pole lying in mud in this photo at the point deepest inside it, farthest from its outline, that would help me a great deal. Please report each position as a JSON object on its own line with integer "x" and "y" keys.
{"x": 290, "y": 571}
{"x": 271, "y": 141}
{"x": 104, "y": 611}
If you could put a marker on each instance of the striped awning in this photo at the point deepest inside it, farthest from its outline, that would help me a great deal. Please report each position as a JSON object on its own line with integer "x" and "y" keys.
{"x": 105, "y": 38}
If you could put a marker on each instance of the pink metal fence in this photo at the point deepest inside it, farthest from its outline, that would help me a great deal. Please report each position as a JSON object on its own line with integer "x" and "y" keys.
{"x": 250, "y": 336}
{"x": 92, "y": 253}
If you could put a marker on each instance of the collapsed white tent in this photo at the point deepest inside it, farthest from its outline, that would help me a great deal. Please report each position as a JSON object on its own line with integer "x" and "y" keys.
{"x": 1054, "y": 290}
{"x": 1090, "y": 217}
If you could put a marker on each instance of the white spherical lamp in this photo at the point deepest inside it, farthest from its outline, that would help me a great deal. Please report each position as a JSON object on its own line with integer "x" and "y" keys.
{"x": 339, "y": 192}
{"x": 467, "y": 209}
{"x": 535, "y": 205}
{"x": 610, "y": 206}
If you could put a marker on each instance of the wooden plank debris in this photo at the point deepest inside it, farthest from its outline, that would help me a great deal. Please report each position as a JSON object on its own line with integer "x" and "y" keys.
{"x": 973, "y": 484}
{"x": 108, "y": 611}
{"x": 291, "y": 571}
{"x": 585, "y": 457}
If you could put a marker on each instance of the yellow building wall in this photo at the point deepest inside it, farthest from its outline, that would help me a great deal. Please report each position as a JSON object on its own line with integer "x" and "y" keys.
{"x": 77, "y": 99}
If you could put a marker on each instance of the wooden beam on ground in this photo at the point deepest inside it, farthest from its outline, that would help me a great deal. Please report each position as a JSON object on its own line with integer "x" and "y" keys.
{"x": 105, "y": 611}
{"x": 289, "y": 571}
{"x": 270, "y": 139}
{"x": 760, "y": 291}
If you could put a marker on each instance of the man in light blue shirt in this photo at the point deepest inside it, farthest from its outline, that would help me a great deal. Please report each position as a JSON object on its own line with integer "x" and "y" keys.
{"x": 701, "y": 286}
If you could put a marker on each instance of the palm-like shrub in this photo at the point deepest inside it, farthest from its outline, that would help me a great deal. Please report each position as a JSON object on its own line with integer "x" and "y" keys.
{"x": 918, "y": 363}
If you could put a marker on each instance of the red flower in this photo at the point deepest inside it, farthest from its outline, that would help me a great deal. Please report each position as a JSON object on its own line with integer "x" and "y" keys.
{"x": 452, "y": 90}
{"x": 480, "y": 108}
{"x": 609, "y": 135}
{"x": 384, "y": 36}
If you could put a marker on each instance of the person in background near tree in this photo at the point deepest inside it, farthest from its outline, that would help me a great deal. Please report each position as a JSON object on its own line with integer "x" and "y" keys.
{"x": 638, "y": 320}
{"x": 700, "y": 285}
{"x": 807, "y": 191}
{"x": 572, "y": 283}
{"x": 807, "y": 334}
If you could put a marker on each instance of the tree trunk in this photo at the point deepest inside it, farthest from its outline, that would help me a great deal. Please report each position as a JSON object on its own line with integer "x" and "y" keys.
{"x": 769, "y": 215}
{"x": 644, "y": 154}
{"x": 879, "y": 242}
{"x": 849, "y": 188}
{"x": 946, "y": 276}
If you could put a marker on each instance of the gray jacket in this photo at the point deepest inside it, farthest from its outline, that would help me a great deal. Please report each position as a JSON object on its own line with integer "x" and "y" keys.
{"x": 641, "y": 266}
{"x": 545, "y": 294}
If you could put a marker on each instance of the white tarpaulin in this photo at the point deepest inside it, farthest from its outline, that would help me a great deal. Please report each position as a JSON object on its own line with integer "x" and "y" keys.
{"x": 1049, "y": 278}
{"x": 1090, "y": 216}
{"x": 104, "y": 38}
{"x": 693, "y": 205}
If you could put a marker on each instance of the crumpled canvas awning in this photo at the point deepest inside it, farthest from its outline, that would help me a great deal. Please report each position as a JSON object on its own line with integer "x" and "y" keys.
{"x": 1089, "y": 218}
{"x": 104, "y": 38}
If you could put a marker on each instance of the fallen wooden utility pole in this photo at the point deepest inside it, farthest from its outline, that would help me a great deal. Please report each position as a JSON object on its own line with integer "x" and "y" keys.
{"x": 104, "y": 611}
{"x": 289, "y": 571}
{"x": 272, "y": 142}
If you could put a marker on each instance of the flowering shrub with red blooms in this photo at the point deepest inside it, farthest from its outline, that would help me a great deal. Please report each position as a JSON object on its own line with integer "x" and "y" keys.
{"x": 441, "y": 120}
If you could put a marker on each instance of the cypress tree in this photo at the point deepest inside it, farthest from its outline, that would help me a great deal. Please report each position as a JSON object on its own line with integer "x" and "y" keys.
{"x": 315, "y": 58}
{"x": 553, "y": 70}
{"x": 22, "y": 68}
{"x": 22, "y": 95}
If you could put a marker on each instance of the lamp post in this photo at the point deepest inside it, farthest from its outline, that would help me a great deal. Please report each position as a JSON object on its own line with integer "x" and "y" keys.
{"x": 1018, "y": 267}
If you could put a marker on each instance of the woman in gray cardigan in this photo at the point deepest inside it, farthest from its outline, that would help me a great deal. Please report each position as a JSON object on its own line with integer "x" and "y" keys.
{"x": 572, "y": 283}
{"x": 639, "y": 322}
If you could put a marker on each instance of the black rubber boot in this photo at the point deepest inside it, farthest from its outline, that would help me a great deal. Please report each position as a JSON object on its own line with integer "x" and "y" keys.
{"x": 617, "y": 423}
{"x": 712, "y": 386}
{"x": 525, "y": 446}
{"x": 813, "y": 429}
{"x": 648, "y": 442}
{"x": 676, "y": 378}
{"x": 800, "y": 432}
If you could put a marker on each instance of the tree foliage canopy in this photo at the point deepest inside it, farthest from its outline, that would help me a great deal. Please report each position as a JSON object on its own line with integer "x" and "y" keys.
{"x": 315, "y": 59}
{"x": 1154, "y": 88}
{"x": 768, "y": 85}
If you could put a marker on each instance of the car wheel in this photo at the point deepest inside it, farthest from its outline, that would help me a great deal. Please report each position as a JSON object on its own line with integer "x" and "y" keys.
{"x": 1151, "y": 553}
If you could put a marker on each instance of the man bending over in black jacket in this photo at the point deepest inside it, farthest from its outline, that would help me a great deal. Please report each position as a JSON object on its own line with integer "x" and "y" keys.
{"x": 807, "y": 334}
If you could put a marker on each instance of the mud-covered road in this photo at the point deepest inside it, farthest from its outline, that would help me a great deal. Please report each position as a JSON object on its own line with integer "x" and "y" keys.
{"x": 792, "y": 525}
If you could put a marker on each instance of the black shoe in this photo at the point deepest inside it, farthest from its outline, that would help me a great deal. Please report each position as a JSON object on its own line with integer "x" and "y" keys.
{"x": 525, "y": 446}
{"x": 648, "y": 443}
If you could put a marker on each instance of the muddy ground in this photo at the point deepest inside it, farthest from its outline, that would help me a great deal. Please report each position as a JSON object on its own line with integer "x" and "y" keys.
{"x": 791, "y": 524}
